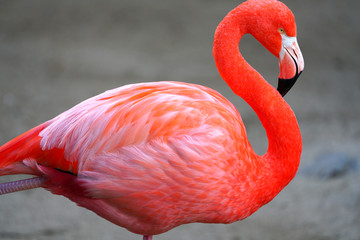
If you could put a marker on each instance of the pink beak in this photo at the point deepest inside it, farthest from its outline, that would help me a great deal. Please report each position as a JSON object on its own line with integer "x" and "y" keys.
{"x": 291, "y": 64}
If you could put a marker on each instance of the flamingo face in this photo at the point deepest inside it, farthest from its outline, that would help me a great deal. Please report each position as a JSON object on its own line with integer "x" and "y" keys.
{"x": 291, "y": 63}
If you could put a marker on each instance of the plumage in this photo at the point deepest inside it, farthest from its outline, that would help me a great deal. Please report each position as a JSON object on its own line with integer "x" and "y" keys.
{"x": 152, "y": 156}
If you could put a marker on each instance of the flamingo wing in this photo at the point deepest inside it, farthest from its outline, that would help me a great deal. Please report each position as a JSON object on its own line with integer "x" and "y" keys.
{"x": 136, "y": 114}
{"x": 151, "y": 146}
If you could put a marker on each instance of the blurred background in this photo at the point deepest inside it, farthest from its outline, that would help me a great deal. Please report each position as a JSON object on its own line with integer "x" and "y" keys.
{"x": 54, "y": 54}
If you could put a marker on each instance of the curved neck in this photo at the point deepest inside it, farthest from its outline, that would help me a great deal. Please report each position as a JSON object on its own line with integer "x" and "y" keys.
{"x": 275, "y": 114}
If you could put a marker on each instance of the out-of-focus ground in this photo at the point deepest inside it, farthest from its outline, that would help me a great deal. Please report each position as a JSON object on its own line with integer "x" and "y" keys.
{"x": 54, "y": 54}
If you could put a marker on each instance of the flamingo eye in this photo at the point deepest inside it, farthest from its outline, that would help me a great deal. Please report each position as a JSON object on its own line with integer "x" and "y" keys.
{"x": 281, "y": 30}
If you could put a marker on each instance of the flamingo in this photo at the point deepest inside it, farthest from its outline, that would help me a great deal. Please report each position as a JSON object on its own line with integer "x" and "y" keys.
{"x": 152, "y": 156}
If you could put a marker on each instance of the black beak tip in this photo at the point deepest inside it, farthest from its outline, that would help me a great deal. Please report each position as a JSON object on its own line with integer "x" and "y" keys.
{"x": 284, "y": 85}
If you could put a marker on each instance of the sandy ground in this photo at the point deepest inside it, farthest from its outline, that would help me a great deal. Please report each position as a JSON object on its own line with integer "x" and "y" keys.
{"x": 54, "y": 54}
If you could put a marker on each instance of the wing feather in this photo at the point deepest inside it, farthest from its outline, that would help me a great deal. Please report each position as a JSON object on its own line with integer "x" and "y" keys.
{"x": 134, "y": 115}
{"x": 145, "y": 148}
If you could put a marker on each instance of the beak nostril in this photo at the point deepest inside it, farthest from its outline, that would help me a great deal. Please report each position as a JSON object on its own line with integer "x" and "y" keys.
{"x": 295, "y": 53}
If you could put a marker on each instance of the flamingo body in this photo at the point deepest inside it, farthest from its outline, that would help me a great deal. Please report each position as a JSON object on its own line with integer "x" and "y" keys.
{"x": 162, "y": 149}
{"x": 152, "y": 156}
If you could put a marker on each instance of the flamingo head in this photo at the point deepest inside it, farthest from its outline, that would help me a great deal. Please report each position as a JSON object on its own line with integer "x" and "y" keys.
{"x": 273, "y": 25}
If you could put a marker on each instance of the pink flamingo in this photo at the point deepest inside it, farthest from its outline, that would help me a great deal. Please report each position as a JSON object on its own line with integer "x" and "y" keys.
{"x": 152, "y": 156}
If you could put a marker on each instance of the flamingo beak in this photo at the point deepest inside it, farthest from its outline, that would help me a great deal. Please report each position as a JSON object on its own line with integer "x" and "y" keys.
{"x": 291, "y": 64}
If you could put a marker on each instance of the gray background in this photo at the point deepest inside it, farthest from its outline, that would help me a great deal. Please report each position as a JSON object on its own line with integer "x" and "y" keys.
{"x": 54, "y": 54}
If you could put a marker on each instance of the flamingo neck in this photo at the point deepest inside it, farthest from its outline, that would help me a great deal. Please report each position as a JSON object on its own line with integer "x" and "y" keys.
{"x": 279, "y": 121}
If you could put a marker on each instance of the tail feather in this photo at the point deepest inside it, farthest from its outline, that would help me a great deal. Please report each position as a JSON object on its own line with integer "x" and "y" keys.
{"x": 27, "y": 145}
